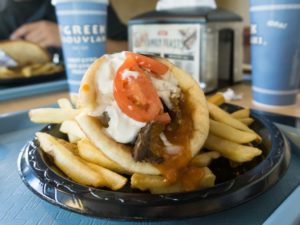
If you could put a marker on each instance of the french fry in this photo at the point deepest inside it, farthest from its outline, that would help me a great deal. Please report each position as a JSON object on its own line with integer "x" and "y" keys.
{"x": 220, "y": 115}
{"x": 204, "y": 159}
{"x": 73, "y": 139}
{"x": 47, "y": 68}
{"x": 247, "y": 121}
{"x": 157, "y": 184}
{"x": 90, "y": 153}
{"x": 30, "y": 70}
{"x": 26, "y": 71}
{"x": 51, "y": 115}
{"x": 231, "y": 150}
{"x": 64, "y": 103}
{"x": 70, "y": 127}
{"x": 145, "y": 182}
{"x": 68, "y": 145}
{"x": 229, "y": 133}
{"x": 7, "y": 73}
{"x": 67, "y": 162}
{"x": 43, "y": 69}
{"x": 112, "y": 180}
{"x": 66, "y": 159}
{"x": 242, "y": 113}
{"x": 216, "y": 99}
{"x": 38, "y": 69}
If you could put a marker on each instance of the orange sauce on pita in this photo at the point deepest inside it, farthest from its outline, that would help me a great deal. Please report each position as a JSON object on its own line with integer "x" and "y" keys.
{"x": 175, "y": 168}
{"x": 86, "y": 87}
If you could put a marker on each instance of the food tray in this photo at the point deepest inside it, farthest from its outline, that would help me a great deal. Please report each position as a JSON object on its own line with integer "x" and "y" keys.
{"x": 20, "y": 206}
{"x": 9, "y": 92}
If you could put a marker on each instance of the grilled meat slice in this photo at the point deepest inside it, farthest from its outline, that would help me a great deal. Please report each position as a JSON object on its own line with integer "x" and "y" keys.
{"x": 104, "y": 119}
{"x": 148, "y": 145}
{"x": 176, "y": 111}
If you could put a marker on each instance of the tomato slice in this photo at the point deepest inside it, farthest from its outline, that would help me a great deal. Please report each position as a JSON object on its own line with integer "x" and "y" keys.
{"x": 135, "y": 94}
{"x": 157, "y": 68}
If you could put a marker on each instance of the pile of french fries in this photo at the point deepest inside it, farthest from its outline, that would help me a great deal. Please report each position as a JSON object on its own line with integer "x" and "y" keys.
{"x": 30, "y": 70}
{"x": 80, "y": 160}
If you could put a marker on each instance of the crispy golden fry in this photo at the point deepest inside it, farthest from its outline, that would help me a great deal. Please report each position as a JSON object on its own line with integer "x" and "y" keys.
{"x": 71, "y": 127}
{"x": 47, "y": 68}
{"x": 204, "y": 159}
{"x": 220, "y": 115}
{"x": 147, "y": 182}
{"x": 157, "y": 184}
{"x": 26, "y": 71}
{"x": 242, "y": 113}
{"x": 35, "y": 69}
{"x": 79, "y": 170}
{"x": 44, "y": 69}
{"x": 111, "y": 179}
{"x": 247, "y": 121}
{"x": 70, "y": 146}
{"x": 6, "y": 72}
{"x": 91, "y": 153}
{"x": 216, "y": 99}
{"x": 29, "y": 70}
{"x": 231, "y": 150}
{"x": 67, "y": 162}
{"x": 73, "y": 139}
{"x": 229, "y": 133}
{"x": 51, "y": 115}
{"x": 64, "y": 103}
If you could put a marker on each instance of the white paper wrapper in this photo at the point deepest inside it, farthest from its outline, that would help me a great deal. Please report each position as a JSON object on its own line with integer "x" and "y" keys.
{"x": 6, "y": 61}
{"x": 172, "y": 4}
{"x": 230, "y": 95}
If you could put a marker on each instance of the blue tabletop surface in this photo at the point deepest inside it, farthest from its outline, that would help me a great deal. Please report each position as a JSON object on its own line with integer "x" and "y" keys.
{"x": 19, "y": 206}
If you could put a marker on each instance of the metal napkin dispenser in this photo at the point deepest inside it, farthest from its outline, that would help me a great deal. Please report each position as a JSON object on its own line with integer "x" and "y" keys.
{"x": 207, "y": 43}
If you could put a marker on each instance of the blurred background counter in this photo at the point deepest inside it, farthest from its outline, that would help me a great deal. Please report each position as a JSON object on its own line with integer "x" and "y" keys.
{"x": 125, "y": 12}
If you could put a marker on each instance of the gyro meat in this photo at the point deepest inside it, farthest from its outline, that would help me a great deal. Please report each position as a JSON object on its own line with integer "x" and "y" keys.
{"x": 104, "y": 119}
{"x": 148, "y": 144}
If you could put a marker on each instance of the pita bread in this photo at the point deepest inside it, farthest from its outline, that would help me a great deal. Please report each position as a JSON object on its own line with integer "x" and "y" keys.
{"x": 121, "y": 153}
{"x": 25, "y": 52}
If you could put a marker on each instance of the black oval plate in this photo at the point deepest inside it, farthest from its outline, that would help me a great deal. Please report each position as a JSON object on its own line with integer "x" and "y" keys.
{"x": 43, "y": 179}
{"x": 17, "y": 81}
